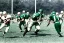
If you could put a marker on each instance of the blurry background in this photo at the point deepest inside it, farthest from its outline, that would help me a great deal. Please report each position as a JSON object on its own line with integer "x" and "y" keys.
{"x": 29, "y": 5}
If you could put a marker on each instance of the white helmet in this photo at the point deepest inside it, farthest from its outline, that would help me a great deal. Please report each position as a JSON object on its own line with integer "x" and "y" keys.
{"x": 27, "y": 12}
{"x": 4, "y": 12}
{"x": 18, "y": 13}
{"x": 57, "y": 13}
{"x": 8, "y": 16}
{"x": 23, "y": 11}
{"x": 61, "y": 11}
{"x": 0, "y": 12}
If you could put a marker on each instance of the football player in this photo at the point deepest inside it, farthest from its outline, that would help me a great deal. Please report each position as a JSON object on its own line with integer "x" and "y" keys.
{"x": 6, "y": 21}
{"x": 56, "y": 22}
{"x": 34, "y": 21}
{"x": 22, "y": 20}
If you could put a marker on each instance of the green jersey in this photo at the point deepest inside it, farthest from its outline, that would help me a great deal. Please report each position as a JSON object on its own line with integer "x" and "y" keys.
{"x": 36, "y": 16}
{"x": 22, "y": 16}
{"x": 27, "y": 16}
{"x": 54, "y": 18}
{"x": 18, "y": 16}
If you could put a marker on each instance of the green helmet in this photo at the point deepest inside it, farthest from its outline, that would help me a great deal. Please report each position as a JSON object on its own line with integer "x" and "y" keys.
{"x": 53, "y": 12}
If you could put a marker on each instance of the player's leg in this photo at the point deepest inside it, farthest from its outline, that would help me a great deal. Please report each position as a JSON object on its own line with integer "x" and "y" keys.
{"x": 57, "y": 27}
{"x": 2, "y": 25}
{"x": 60, "y": 24}
{"x": 20, "y": 26}
{"x": 60, "y": 27}
{"x": 61, "y": 21}
{"x": 28, "y": 28}
{"x": 25, "y": 24}
{"x": 6, "y": 30}
{"x": 30, "y": 24}
{"x": 26, "y": 20}
{"x": 25, "y": 32}
{"x": 37, "y": 29}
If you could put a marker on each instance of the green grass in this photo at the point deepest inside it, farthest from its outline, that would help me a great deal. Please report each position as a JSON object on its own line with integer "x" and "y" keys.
{"x": 46, "y": 35}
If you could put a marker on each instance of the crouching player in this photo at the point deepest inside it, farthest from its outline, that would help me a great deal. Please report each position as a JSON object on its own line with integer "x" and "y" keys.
{"x": 34, "y": 21}
{"x": 6, "y": 21}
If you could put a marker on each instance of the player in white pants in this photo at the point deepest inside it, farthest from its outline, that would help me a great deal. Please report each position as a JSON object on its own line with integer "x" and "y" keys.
{"x": 6, "y": 21}
{"x": 34, "y": 21}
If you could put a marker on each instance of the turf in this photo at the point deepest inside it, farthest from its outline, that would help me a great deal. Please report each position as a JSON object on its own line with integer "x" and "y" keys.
{"x": 46, "y": 35}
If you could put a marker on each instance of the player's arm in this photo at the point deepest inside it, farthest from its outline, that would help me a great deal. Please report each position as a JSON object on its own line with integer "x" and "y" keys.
{"x": 49, "y": 22}
{"x": 62, "y": 19}
{"x": 18, "y": 18}
{"x": 22, "y": 19}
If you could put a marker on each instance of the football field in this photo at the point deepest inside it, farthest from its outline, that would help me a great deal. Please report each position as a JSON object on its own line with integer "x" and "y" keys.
{"x": 46, "y": 35}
